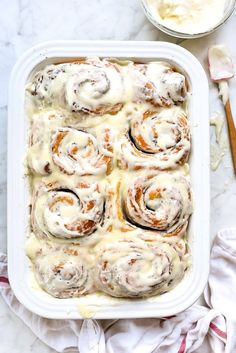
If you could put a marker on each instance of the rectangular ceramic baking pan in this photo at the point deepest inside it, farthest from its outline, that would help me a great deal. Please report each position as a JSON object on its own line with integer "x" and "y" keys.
{"x": 102, "y": 307}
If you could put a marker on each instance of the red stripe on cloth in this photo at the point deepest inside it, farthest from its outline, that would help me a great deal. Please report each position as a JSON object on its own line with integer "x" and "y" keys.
{"x": 183, "y": 345}
{"x": 168, "y": 317}
{"x": 216, "y": 329}
{"x": 4, "y": 280}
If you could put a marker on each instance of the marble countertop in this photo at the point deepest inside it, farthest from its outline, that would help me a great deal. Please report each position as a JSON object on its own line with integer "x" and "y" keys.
{"x": 24, "y": 23}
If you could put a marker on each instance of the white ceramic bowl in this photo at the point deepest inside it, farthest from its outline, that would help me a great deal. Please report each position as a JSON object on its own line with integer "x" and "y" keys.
{"x": 229, "y": 9}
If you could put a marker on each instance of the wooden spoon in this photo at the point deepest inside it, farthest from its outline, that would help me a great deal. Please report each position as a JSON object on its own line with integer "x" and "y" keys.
{"x": 221, "y": 70}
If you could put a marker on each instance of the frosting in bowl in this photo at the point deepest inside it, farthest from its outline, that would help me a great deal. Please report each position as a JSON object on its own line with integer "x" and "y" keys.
{"x": 187, "y": 16}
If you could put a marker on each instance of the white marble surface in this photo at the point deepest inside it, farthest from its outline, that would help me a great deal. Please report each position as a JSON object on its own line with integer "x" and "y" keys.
{"x": 24, "y": 23}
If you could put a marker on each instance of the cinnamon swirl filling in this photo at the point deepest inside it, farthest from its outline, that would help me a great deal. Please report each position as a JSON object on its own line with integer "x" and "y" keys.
{"x": 63, "y": 274}
{"x": 67, "y": 213}
{"x": 160, "y": 202}
{"x": 82, "y": 153}
{"x": 157, "y": 141}
{"x": 133, "y": 268}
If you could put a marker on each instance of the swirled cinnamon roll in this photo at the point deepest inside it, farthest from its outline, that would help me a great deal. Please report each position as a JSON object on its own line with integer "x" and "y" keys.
{"x": 156, "y": 141}
{"x": 159, "y": 84}
{"x": 94, "y": 89}
{"x": 82, "y": 153}
{"x": 66, "y": 213}
{"x": 47, "y": 84}
{"x": 91, "y": 86}
{"x": 160, "y": 202}
{"x": 63, "y": 274}
{"x": 134, "y": 268}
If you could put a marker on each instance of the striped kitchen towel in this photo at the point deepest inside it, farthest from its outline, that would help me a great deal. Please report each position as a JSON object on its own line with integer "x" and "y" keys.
{"x": 199, "y": 329}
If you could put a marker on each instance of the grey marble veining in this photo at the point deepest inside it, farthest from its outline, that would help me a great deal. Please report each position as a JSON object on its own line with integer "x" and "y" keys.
{"x": 24, "y": 23}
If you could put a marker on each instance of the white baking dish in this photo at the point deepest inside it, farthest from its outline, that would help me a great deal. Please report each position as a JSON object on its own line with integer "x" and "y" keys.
{"x": 191, "y": 287}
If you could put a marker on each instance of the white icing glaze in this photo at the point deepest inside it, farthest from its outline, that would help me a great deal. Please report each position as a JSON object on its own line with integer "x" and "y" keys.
{"x": 99, "y": 86}
{"x": 187, "y": 16}
{"x": 94, "y": 87}
{"x": 133, "y": 268}
{"x": 80, "y": 152}
{"x": 162, "y": 203}
{"x": 158, "y": 83}
{"x": 63, "y": 275}
{"x": 217, "y": 121}
{"x": 79, "y": 183}
{"x": 62, "y": 212}
{"x": 159, "y": 141}
{"x": 218, "y": 153}
{"x": 73, "y": 150}
{"x": 170, "y": 85}
{"x": 42, "y": 124}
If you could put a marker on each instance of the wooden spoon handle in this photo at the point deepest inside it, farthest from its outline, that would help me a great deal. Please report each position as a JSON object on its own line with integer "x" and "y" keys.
{"x": 232, "y": 132}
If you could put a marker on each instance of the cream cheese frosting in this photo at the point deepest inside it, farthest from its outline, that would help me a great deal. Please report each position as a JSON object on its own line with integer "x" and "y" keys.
{"x": 188, "y": 16}
{"x": 105, "y": 136}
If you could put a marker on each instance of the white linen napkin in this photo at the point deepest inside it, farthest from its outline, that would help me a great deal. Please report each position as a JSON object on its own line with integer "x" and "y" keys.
{"x": 198, "y": 329}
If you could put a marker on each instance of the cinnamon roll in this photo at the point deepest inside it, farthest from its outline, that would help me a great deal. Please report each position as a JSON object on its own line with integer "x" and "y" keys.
{"x": 156, "y": 141}
{"x": 160, "y": 202}
{"x": 95, "y": 89}
{"x": 82, "y": 153}
{"x": 159, "y": 84}
{"x": 92, "y": 86}
{"x": 135, "y": 268}
{"x": 63, "y": 274}
{"x": 66, "y": 213}
{"x": 47, "y": 84}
